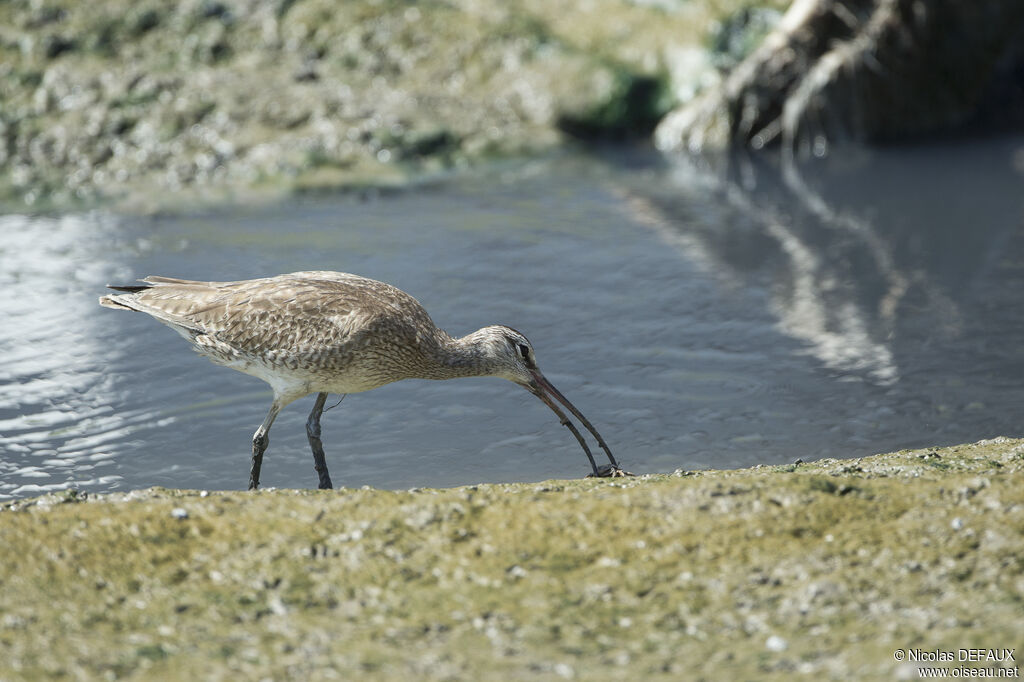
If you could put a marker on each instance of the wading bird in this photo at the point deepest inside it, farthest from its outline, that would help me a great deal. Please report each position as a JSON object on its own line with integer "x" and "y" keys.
{"x": 332, "y": 332}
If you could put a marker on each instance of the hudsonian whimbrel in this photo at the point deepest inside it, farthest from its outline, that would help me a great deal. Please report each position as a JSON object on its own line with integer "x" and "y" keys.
{"x": 332, "y": 332}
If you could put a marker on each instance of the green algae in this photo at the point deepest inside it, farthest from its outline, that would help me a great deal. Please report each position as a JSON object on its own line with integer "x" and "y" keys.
{"x": 820, "y": 569}
{"x": 130, "y": 98}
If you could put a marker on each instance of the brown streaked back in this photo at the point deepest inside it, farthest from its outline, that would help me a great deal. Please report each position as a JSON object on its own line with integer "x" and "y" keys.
{"x": 298, "y": 313}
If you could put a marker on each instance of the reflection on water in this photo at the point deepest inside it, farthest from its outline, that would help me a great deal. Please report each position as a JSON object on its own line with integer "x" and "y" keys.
{"x": 865, "y": 258}
{"x": 861, "y": 305}
{"x": 57, "y": 427}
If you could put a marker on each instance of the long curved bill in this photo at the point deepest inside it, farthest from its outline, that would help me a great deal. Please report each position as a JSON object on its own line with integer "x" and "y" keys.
{"x": 543, "y": 389}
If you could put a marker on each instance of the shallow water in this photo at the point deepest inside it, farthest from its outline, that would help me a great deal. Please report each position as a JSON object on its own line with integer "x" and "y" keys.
{"x": 699, "y": 317}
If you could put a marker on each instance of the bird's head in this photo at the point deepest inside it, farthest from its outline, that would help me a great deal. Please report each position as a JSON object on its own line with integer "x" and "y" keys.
{"x": 509, "y": 354}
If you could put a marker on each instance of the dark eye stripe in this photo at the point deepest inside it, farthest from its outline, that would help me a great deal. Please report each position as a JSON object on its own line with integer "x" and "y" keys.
{"x": 524, "y": 351}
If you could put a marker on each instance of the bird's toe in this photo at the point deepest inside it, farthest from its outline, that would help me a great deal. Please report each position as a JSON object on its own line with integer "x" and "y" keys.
{"x": 609, "y": 471}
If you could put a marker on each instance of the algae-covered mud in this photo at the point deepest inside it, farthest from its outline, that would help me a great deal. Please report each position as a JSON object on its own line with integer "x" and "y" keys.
{"x": 112, "y": 98}
{"x": 832, "y": 570}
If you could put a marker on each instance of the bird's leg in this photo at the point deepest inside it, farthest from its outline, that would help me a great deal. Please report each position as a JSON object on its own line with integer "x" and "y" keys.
{"x": 313, "y": 433}
{"x": 260, "y": 440}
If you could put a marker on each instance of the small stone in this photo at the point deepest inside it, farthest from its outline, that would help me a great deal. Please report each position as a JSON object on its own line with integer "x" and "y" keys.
{"x": 179, "y": 513}
{"x": 564, "y": 670}
{"x": 776, "y": 643}
{"x": 516, "y": 572}
{"x": 307, "y": 74}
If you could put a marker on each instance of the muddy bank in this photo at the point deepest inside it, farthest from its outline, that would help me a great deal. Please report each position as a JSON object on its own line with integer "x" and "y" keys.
{"x": 128, "y": 96}
{"x": 824, "y": 569}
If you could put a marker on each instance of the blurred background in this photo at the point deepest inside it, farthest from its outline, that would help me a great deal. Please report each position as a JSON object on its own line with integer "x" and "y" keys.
{"x": 736, "y": 233}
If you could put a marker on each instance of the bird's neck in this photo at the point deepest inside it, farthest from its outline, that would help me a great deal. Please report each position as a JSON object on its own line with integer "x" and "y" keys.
{"x": 450, "y": 358}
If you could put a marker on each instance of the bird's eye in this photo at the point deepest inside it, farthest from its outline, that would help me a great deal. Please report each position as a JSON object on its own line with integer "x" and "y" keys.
{"x": 524, "y": 351}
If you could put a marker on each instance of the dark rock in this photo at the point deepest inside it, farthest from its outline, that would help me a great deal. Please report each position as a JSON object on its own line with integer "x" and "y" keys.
{"x": 869, "y": 71}
{"x": 632, "y": 109}
{"x": 144, "y": 21}
{"x": 55, "y": 45}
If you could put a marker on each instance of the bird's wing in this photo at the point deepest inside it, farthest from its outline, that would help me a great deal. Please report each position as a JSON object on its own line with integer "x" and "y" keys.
{"x": 300, "y": 313}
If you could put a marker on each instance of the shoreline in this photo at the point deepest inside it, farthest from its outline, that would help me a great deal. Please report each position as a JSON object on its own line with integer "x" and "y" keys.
{"x": 144, "y": 99}
{"x": 821, "y": 568}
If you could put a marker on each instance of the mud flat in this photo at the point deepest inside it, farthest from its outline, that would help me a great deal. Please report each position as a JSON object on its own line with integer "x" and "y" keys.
{"x": 144, "y": 98}
{"x": 826, "y": 568}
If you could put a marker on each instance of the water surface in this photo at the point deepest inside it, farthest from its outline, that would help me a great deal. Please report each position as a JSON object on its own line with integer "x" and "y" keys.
{"x": 699, "y": 317}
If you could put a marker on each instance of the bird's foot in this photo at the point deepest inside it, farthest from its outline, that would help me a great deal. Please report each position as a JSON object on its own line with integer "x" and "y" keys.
{"x": 609, "y": 471}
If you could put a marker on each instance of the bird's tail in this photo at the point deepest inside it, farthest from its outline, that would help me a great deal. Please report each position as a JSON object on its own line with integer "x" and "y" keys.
{"x": 129, "y": 288}
{"x": 119, "y": 301}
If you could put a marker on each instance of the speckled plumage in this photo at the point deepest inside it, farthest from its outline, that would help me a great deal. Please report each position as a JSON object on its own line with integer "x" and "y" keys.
{"x": 301, "y": 332}
{"x": 330, "y": 332}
